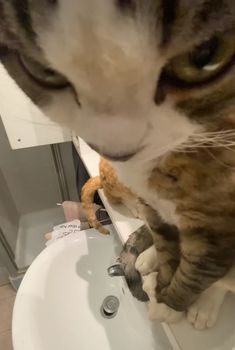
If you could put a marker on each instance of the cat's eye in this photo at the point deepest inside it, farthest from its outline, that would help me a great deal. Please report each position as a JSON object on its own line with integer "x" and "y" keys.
{"x": 43, "y": 74}
{"x": 204, "y": 62}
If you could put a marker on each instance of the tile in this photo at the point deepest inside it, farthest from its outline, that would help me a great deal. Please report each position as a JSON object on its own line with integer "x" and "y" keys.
{"x": 5, "y": 341}
{"x": 7, "y": 291}
{"x": 6, "y": 308}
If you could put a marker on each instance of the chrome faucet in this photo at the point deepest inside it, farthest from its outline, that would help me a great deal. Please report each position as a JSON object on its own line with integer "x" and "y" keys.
{"x": 115, "y": 270}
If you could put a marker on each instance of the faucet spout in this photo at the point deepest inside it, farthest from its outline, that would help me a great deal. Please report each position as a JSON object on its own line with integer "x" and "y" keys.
{"x": 115, "y": 270}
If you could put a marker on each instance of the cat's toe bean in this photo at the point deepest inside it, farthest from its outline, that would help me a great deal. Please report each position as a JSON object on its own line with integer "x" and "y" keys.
{"x": 147, "y": 261}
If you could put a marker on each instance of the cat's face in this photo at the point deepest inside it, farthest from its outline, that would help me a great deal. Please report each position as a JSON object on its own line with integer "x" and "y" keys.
{"x": 147, "y": 74}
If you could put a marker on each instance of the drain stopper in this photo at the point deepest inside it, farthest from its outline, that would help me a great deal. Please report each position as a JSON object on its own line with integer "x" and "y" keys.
{"x": 110, "y": 306}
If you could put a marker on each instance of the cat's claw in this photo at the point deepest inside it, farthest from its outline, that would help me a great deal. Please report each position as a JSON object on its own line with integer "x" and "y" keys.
{"x": 204, "y": 312}
{"x": 158, "y": 311}
{"x": 147, "y": 261}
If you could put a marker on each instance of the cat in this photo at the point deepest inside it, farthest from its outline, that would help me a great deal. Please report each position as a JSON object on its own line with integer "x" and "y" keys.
{"x": 114, "y": 190}
{"x": 150, "y": 86}
{"x": 142, "y": 269}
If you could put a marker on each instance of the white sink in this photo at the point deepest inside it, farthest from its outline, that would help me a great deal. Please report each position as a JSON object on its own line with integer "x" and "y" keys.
{"x": 58, "y": 306}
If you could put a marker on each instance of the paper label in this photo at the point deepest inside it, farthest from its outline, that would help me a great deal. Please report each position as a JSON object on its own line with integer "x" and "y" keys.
{"x": 64, "y": 230}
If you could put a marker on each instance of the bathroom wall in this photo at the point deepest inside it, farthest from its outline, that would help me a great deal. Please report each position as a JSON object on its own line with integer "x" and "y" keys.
{"x": 29, "y": 186}
{"x": 30, "y": 190}
{"x": 69, "y": 170}
{"x": 9, "y": 215}
{"x": 28, "y": 183}
{"x": 3, "y": 275}
{"x": 30, "y": 174}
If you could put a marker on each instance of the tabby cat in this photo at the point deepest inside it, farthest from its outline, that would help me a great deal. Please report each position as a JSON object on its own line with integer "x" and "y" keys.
{"x": 151, "y": 86}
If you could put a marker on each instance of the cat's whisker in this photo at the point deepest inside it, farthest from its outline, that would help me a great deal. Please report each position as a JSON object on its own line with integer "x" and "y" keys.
{"x": 200, "y": 145}
{"x": 220, "y": 132}
{"x": 230, "y": 149}
{"x": 218, "y": 139}
{"x": 184, "y": 151}
{"x": 219, "y": 161}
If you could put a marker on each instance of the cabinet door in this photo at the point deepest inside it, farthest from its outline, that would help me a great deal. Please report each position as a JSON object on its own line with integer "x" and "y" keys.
{"x": 25, "y": 124}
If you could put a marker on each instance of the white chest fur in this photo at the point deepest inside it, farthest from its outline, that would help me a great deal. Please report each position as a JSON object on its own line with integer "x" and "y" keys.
{"x": 135, "y": 176}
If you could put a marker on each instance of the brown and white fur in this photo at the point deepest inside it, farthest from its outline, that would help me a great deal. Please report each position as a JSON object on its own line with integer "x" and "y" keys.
{"x": 115, "y": 54}
{"x": 202, "y": 314}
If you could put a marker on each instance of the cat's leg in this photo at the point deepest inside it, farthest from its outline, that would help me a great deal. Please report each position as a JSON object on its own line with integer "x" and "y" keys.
{"x": 164, "y": 256}
{"x": 204, "y": 312}
{"x": 166, "y": 241}
{"x": 167, "y": 247}
{"x": 147, "y": 261}
{"x": 166, "y": 250}
{"x": 158, "y": 311}
{"x": 228, "y": 282}
{"x": 205, "y": 258}
{"x": 137, "y": 243}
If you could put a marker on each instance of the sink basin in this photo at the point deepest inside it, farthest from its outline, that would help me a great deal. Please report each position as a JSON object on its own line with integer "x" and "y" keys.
{"x": 58, "y": 306}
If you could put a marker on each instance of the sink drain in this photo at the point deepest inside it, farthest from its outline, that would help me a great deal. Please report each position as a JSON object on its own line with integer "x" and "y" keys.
{"x": 110, "y": 307}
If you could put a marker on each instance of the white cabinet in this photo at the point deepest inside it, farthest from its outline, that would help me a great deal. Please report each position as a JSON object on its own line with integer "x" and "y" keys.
{"x": 25, "y": 124}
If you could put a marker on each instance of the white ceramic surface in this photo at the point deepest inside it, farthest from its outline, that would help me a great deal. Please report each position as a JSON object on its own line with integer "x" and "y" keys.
{"x": 58, "y": 304}
{"x": 25, "y": 124}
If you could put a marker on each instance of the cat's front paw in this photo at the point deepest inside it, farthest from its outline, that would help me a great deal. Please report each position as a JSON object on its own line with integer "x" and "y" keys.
{"x": 163, "y": 313}
{"x": 150, "y": 284}
{"x": 158, "y": 311}
{"x": 147, "y": 261}
{"x": 204, "y": 312}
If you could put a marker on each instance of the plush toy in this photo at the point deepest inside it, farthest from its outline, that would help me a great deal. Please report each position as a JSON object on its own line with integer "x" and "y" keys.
{"x": 114, "y": 190}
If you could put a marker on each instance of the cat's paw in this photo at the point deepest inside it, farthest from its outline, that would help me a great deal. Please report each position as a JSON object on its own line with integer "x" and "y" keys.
{"x": 202, "y": 316}
{"x": 204, "y": 312}
{"x": 163, "y": 313}
{"x": 150, "y": 284}
{"x": 158, "y": 311}
{"x": 147, "y": 261}
{"x": 133, "y": 278}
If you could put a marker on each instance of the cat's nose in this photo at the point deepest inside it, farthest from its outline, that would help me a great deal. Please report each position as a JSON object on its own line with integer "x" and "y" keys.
{"x": 112, "y": 157}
